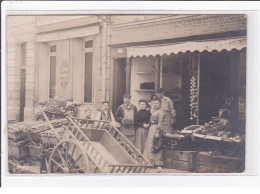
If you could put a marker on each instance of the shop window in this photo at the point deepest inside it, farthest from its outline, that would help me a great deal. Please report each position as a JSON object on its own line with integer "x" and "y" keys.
{"x": 89, "y": 44}
{"x": 88, "y": 77}
{"x": 23, "y": 81}
{"x": 23, "y": 55}
{"x": 52, "y": 76}
{"x": 53, "y": 61}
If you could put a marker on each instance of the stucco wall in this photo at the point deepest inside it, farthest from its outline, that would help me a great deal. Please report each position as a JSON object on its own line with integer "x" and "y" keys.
{"x": 20, "y": 29}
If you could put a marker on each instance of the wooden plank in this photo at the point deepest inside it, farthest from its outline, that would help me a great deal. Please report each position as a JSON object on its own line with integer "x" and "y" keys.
{"x": 183, "y": 155}
{"x": 182, "y": 165}
{"x": 225, "y": 162}
{"x": 167, "y": 153}
{"x": 211, "y": 169}
{"x": 168, "y": 163}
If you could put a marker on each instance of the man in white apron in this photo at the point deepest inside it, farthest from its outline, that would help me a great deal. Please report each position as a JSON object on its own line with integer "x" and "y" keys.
{"x": 125, "y": 115}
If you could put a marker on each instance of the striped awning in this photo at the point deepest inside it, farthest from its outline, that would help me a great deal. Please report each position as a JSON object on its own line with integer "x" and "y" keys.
{"x": 237, "y": 43}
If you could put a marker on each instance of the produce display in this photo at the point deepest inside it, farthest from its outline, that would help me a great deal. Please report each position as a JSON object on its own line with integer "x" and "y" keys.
{"x": 59, "y": 106}
{"x": 217, "y": 129}
{"x": 170, "y": 140}
{"x": 193, "y": 98}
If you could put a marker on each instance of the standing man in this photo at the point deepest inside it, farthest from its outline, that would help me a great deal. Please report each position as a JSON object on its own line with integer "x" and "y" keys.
{"x": 125, "y": 116}
{"x": 167, "y": 106}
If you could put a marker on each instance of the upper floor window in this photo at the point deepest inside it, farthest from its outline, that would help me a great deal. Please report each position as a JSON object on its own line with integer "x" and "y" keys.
{"x": 89, "y": 44}
{"x": 23, "y": 55}
{"x": 53, "y": 49}
{"x": 88, "y": 77}
{"x": 52, "y": 86}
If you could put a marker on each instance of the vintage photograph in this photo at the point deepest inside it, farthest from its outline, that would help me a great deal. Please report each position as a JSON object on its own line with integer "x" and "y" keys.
{"x": 126, "y": 94}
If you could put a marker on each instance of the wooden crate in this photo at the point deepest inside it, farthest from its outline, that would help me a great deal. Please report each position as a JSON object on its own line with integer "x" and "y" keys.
{"x": 36, "y": 152}
{"x": 19, "y": 149}
{"x": 219, "y": 164}
{"x": 180, "y": 160}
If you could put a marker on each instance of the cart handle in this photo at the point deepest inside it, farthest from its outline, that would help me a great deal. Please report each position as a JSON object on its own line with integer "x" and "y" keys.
{"x": 50, "y": 125}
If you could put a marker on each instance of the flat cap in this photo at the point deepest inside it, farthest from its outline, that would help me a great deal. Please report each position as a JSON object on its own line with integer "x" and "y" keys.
{"x": 126, "y": 96}
{"x": 160, "y": 91}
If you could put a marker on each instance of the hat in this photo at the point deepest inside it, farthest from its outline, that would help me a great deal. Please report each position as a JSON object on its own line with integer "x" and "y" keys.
{"x": 160, "y": 91}
{"x": 126, "y": 96}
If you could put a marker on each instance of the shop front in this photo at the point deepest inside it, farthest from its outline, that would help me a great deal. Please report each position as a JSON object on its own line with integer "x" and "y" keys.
{"x": 201, "y": 77}
{"x": 68, "y": 62}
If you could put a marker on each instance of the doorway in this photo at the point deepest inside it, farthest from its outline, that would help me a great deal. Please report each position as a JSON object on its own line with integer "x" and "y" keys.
{"x": 120, "y": 82}
{"x": 22, "y": 94}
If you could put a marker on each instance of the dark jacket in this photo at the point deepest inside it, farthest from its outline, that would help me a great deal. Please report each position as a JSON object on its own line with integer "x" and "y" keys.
{"x": 141, "y": 117}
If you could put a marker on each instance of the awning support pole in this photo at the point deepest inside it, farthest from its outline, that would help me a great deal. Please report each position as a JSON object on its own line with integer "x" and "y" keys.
{"x": 157, "y": 72}
{"x": 128, "y": 75}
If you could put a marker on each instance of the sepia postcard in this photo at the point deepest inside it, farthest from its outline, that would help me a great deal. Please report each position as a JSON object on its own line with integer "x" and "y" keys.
{"x": 137, "y": 94}
{"x": 126, "y": 93}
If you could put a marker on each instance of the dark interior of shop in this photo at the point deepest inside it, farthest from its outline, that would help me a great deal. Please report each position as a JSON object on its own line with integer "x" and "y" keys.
{"x": 215, "y": 84}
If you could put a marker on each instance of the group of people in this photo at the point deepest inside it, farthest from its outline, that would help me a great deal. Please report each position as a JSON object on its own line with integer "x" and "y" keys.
{"x": 144, "y": 126}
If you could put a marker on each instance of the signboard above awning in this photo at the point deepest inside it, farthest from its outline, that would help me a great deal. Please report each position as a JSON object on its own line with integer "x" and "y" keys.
{"x": 67, "y": 34}
{"x": 191, "y": 46}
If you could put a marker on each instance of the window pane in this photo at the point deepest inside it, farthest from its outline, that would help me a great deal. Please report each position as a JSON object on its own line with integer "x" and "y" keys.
{"x": 53, "y": 49}
{"x": 88, "y": 77}
{"x": 23, "y": 55}
{"x": 52, "y": 76}
{"x": 89, "y": 44}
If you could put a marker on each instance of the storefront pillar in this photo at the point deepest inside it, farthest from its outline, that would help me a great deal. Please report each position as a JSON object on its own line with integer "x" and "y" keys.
{"x": 112, "y": 82}
{"x": 128, "y": 75}
{"x": 157, "y": 72}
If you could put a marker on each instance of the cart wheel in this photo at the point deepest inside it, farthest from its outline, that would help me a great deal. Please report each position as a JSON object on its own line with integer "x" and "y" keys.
{"x": 68, "y": 157}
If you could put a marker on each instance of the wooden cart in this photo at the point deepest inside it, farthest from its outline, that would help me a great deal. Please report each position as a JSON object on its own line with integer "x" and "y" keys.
{"x": 93, "y": 146}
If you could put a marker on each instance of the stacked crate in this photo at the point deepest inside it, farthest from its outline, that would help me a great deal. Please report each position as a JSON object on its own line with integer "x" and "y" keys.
{"x": 180, "y": 160}
{"x": 17, "y": 140}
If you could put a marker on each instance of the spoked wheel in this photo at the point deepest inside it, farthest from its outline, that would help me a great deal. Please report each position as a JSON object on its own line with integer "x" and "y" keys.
{"x": 68, "y": 157}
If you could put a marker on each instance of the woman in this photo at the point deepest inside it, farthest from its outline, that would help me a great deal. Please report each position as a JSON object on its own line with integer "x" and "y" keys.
{"x": 142, "y": 123}
{"x": 158, "y": 126}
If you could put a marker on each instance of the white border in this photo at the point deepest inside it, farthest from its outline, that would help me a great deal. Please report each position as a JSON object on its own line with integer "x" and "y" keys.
{"x": 252, "y": 145}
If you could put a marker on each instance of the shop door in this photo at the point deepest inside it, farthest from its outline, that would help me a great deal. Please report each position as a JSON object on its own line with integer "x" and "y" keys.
{"x": 120, "y": 82}
{"x": 22, "y": 94}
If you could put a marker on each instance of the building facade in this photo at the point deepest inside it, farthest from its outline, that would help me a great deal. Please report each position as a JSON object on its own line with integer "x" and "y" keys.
{"x": 170, "y": 50}
{"x": 92, "y": 58}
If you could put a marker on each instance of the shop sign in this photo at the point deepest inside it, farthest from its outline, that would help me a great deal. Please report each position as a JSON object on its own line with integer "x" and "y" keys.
{"x": 64, "y": 74}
